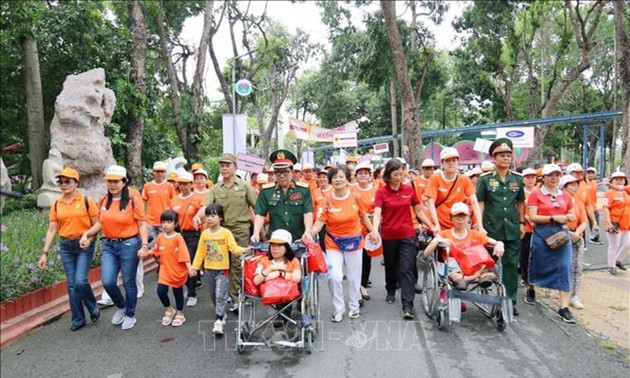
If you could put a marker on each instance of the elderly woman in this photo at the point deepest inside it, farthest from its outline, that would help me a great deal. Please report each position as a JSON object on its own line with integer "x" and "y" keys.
{"x": 391, "y": 214}
{"x": 125, "y": 235}
{"x": 550, "y": 208}
{"x": 367, "y": 194}
{"x": 617, "y": 221}
{"x": 70, "y": 216}
{"x": 342, "y": 213}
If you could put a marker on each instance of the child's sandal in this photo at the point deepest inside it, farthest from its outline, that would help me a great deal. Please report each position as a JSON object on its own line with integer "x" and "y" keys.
{"x": 178, "y": 320}
{"x": 168, "y": 318}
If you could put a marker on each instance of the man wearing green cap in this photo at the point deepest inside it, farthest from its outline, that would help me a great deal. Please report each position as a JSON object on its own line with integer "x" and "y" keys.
{"x": 287, "y": 202}
{"x": 236, "y": 196}
{"x": 501, "y": 197}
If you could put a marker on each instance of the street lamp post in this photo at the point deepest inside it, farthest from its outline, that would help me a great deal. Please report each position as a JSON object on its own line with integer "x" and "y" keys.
{"x": 232, "y": 63}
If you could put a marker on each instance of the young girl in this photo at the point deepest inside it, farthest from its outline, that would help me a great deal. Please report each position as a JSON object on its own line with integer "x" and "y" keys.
{"x": 461, "y": 236}
{"x": 215, "y": 245}
{"x": 175, "y": 267}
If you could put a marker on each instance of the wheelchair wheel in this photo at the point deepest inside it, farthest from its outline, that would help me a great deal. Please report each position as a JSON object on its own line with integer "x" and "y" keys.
{"x": 313, "y": 301}
{"x": 430, "y": 289}
{"x": 309, "y": 337}
{"x": 501, "y": 324}
{"x": 240, "y": 348}
{"x": 500, "y": 292}
{"x": 442, "y": 318}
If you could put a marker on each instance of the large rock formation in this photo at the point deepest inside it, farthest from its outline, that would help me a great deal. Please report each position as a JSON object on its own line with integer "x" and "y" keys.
{"x": 82, "y": 110}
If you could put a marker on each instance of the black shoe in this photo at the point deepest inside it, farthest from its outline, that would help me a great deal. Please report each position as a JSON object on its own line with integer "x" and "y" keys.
{"x": 94, "y": 317}
{"x": 391, "y": 298}
{"x": 408, "y": 314}
{"x": 418, "y": 289}
{"x": 619, "y": 265}
{"x": 566, "y": 316}
{"x": 514, "y": 310}
{"x": 199, "y": 284}
{"x": 530, "y": 297}
{"x": 76, "y": 327}
{"x": 360, "y": 303}
{"x": 368, "y": 284}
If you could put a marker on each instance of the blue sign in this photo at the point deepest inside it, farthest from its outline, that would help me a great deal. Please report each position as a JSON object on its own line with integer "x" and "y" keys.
{"x": 514, "y": 134}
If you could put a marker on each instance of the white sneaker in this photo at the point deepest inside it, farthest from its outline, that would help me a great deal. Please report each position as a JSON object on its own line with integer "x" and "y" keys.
{"x": 118, "y": 316}
{"x": 192, "y": 302}
{"x": 128, "y": 323}
{"x": 353, "y": 314}
{"x": 576, "y": 303}
{"x": 105, "y": 302}
{"x": 218, "y": 326}
{"x": 140, "y": 294}
{"x": 337, "y": 317}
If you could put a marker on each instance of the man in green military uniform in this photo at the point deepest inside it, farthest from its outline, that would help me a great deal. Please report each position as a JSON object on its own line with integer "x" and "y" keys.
{"x": 236, "y": 196}
{"x": 501, "y": 197}
{"x": 287, "y": 202}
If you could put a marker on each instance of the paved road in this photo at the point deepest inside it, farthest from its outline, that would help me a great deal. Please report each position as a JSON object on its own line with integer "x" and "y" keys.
{"x": 379, "y": 344}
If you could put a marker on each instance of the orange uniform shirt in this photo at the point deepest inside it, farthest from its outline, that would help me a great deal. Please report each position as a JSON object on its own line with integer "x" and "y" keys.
{"x": 472, "y": 236}
{"x": 342, "y": 218}
{"x": 73, "y": 219}
{"x": 290, "y": 266}
{"x": 186, "y": 208}
{"x": 591, "y": 190}
{"x": 173, "y": 255}
{"x": 367, "y": 197}
{"x": 618, "y": 204}
{"x": 438, "y": 189}
{"x": 582, "y": 194}
{"x": 158, "y": 199}
{"x": 529, "y": 227}
{"x": 319, "y": 197}
{"x": 579, "y": 211}
{"x": 121, "y": 224}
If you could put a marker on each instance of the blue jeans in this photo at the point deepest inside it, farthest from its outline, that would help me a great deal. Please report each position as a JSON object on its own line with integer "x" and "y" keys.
{"x": 121, "y": 256}
{"x": 76, "y": 264}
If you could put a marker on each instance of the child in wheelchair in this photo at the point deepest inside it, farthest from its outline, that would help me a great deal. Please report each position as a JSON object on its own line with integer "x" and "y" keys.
{"x": 461, "y": 271}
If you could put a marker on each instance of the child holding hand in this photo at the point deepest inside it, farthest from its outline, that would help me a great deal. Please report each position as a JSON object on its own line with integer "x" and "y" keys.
{"x": 170, "y": 248}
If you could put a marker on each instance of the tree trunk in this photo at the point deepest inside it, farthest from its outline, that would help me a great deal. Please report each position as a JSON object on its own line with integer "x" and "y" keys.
{"x": 37, "y": 132}
{"x": 623, "y": 57}
{"x": 137, "y": 75}
{"x": 409, "y": 106}
{"x": 392, "y": 104}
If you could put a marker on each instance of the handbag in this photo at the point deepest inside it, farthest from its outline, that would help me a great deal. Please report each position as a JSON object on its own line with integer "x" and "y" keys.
{"x": 557, "y": 240}
{"x": 315, "y": 260}
{"x": 472, "y": 258}
{"x": 249, "y": 271}
{"x": 278, "y": 290}
{"x": 347, "y": 244}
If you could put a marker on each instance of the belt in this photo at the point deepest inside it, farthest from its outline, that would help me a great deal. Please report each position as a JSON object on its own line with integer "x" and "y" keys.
{"x": 70, "y": 239}
{"x": 118, "y": 240}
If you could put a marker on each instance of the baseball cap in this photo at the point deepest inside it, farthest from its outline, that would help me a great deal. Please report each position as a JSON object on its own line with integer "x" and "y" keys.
{"x": 307, "y": 166}
{"x": 449, "y": 152}
{"x": 487, "y": 165}
{"x": 427, "y": 163}
{"x": 115, "y": 172}
{"x": 617, "y": 174}
{"x": 196, "y": 166}
{"x": 262, "y": 178}
{"x": 159, "y": 166}
{"x": 172, "y": 176}
{"x": 185, "y": 177}
{"x": 280, "y": 237}
{"x": 69, "y": 173}
{"x": 459, "y": 208}
{"x": 227, "y": 158}
{"x": 591, "y": 169}
{"x": 550, "y": 168}
{"x": 200, "y": 172}
{"x": 529, "y": 172}
{"x": 574, "y": 167}
{"x": 363, "y": 165}
{"x": 297, "y": 167}
{"x": 566, "y": 179}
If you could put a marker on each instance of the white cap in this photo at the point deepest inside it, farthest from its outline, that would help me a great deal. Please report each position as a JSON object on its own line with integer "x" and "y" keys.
{"x": 297, "y": 167}
{"x": 280, "y": 237}
{"x": 529, "y": 172}
{"x": 449, "y": 152}
{"x": 115, "y": 172}
{"x": 550, "y": 168}
{"x": 589, "y": 169}
{"x": 566, "y": 179}
{"x": 402, "y": 160}
{"x": 459, "y": 208}
{"x": 487, "y": 165}
{"x": 617, "y": 174}
{"x": 574, "y": 167}
{"x": 262, "y": 178}
{"x": 185, "y": 177}
{"x": 201, "y": 172}
{"x": 363, "y": 165}
{"x": 306, "y": 166}
{"x": 428, "y": 163}
{"x": 159, "y": 166}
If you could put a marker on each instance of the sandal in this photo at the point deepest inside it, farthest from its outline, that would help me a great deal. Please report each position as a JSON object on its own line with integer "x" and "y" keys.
{"x": 486, "y": 279}
{"x": 168, "y": 318}
{"x": 178, "y": 320}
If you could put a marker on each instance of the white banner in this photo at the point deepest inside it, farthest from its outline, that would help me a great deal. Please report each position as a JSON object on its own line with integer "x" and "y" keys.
{"x": 520, "y": 136}
{"x": 307, "y": 131}
{"x": 234, "y": 133}
{"x": 482, "y": 145}
{"x": 249, "y": 163}
{"x": 345, "y": 140}
{"x": 380, "y": 148}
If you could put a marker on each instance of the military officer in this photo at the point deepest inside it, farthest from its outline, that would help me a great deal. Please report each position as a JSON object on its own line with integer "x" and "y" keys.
{"x": 501, "y": 197}
{"x": 287, "y": 202}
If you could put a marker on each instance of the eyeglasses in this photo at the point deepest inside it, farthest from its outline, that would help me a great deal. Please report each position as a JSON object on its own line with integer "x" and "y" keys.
{"x": 283, "y": 172}
{"x": 64, "y": 182}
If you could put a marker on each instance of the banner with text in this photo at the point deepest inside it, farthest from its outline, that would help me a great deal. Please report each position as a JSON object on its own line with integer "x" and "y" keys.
{"x": 307, "y": 131}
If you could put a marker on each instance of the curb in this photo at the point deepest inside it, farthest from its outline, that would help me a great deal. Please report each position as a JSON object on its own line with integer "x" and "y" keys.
{"x": 19, "y": 326}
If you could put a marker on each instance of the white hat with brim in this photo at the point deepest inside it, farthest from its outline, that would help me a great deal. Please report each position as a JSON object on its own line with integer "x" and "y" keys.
{"x": 449, "y": 152}
{"x": 428, "y": 163}
{"x": 529, "y": 172}
{"x": 280, "y": 237}
{"x": 185, "y": 177}
{"x": 363, "y": 165}
{"x": 115, "y": 172}
{"x": 574, "y": 167}
{"x": 201, "y": 172}
{"x": 551, "y": 168}
{"x": 591, "y": 169}
{"x": 159, "y": 166}
{"x": 566, "y": 179}
{"x": 460, "y": 208}
{"x": 487, "y": 165}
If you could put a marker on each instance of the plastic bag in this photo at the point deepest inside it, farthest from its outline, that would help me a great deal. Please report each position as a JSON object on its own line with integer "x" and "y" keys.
{"x": 249, "y": 271}
{"x": 472, "y": 258}
{"x": 278, "y": 290}
{"x": 315, "y": 259}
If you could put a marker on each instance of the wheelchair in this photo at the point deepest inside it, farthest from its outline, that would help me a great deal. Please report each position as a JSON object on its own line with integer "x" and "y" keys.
{"x": 442, "y": 302}
{"x": 299, "y": 317}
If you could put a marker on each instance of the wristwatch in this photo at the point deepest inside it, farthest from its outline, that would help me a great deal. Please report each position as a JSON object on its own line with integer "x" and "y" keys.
{"x": 551, "y": 219}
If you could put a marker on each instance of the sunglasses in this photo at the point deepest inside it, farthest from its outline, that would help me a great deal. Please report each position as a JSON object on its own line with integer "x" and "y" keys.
{"x": 64, "y": 182}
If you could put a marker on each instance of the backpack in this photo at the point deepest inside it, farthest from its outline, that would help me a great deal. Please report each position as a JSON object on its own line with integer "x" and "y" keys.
{"x": 85, "y": 201}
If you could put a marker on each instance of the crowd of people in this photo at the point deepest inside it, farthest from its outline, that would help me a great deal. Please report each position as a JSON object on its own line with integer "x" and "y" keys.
{"x": 536, "y": 221}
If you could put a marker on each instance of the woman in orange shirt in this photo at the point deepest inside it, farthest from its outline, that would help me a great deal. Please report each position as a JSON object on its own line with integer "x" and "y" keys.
{"x": 342, "y": 213}
{"x": 367, "y": 193}
{"x": 70, "y": 216}
{"x": 617, "y": 221}
{"x": 125, "y": 236}
{"x": 319, "y": 198}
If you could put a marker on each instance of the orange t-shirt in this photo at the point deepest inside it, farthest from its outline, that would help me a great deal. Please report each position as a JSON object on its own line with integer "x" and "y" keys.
{"x": 173, "y": 255}
{"x": 319, "y": 197}
{"x": 186, "y": 209}
{"x": 582, "y": 194}
{"x": 366, "y": 197}
{"x": 291, "y": 266}
{"x": 158, "y": 197}
{"x": 342, "y": 218}
{"x": 471, "y": 236}
{"x": 201, "y": 195}
{"x": 121, "y": 224}
{"x": 528, "y": 226}
{"x": 618, "y": 204}
{"x": 591, "y": 190}
{"x": 73, "y": 219}
{"x": 579, "y": 211}
{"x": 438, "y": 189}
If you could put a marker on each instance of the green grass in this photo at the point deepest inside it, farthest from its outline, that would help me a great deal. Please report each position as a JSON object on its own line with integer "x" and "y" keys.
{"x": 21, "y": 242}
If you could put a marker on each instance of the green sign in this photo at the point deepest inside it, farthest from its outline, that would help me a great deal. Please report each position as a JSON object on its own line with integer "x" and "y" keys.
{"x": 243, "y": 87}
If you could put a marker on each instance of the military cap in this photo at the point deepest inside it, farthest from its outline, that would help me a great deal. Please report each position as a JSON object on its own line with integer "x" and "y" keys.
{"x": 282, "y": 159}
{"x": 501, "y": 145}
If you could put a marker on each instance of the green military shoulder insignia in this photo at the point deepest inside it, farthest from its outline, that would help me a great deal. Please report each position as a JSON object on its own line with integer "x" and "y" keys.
{"x": 301, "y": 184}
{"x": 516, "y": 173}
{"x": 486, "y": 173}
{"x": 269, "y": 185}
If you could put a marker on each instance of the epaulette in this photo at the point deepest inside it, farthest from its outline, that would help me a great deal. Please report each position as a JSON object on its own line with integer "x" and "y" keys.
{"x": 302, "y": 185}
{"x": 516, "y": 173}
{"x": 269, "y": 185}
{"x": 486, "y": 173}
